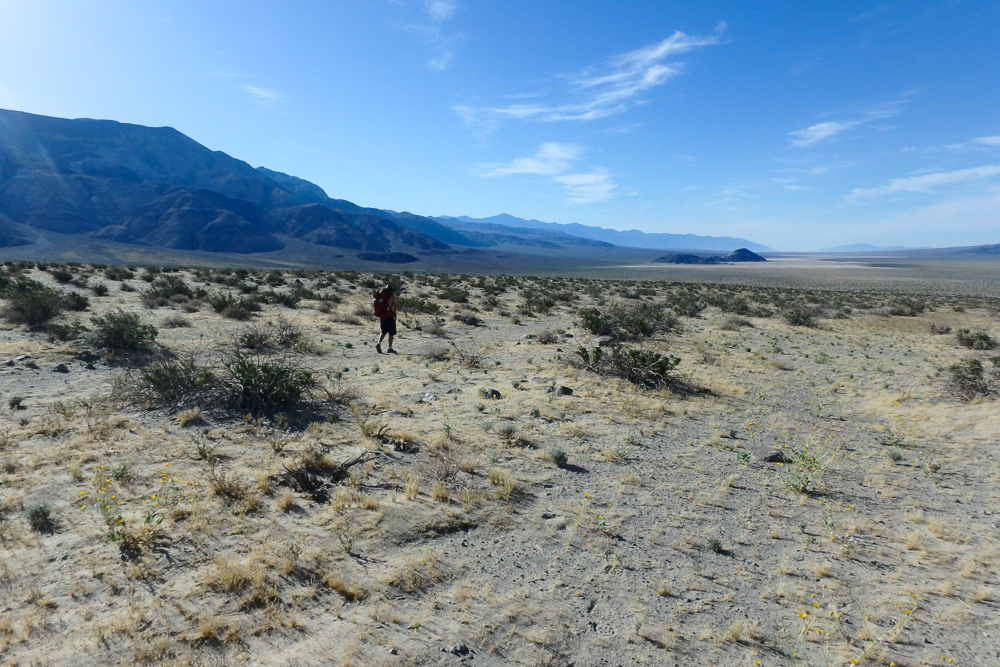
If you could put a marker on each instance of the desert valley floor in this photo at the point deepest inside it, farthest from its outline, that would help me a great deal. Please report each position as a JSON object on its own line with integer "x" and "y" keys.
{"x": 805, "y": 476}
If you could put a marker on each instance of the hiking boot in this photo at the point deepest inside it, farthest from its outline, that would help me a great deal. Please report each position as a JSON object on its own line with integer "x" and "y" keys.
{"x": 378, "y": 348}
{"x": 391, "y": 351}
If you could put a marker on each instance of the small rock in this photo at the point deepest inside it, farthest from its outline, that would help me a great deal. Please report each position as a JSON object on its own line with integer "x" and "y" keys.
{"x": 540, "y": 380}
{"x": 10, "y": 362}
{"x": 90, "y": 367}
{"x": 88, "y": 357}
{"x": 22, "y": 357}
{"x": 560, "y": 391}
{"x": 528, "y": 336}
{"x": 428, "y": 398}
{"x": 493, "y": 394}
{"x": 601, "y": 341}
{"x": 770, "y": 455}
{"x": 392, "y": 413}
{"x": 566, "y": 335}
{"x": 61, "y": 368}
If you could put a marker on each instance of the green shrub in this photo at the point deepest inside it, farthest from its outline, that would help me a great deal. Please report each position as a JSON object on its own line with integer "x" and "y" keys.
{"x": 167, "y": 381}
{"x": 61, "y": 276}
{"x": 800, "y": 317}
{"x": 39, "y": 517}
{"x": 31, "y": 302}
{"x": 119, "y": 331}
{"x": 413, "y": 305}
{"x": 100, "y": 289}
{"x": 558, "y": 456}
{"x": 645, "y": 368}
{"x": 978, "y": 340}
{"x": 76, "y": 301}
{"x": 968, "y": 379}
{"x": 637, "y": 321}
{"x": 262, "y": 384}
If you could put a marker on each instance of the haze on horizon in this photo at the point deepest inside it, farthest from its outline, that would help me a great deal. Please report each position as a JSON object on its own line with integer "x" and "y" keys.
{"x": 798, "y": 125}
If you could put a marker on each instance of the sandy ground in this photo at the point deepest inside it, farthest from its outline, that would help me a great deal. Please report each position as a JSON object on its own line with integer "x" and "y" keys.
{"x": 823, "y": 498}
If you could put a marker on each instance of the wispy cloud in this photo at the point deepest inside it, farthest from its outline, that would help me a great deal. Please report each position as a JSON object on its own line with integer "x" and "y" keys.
{"x": 551, "y": 158}
{"x": 430, "y": 28}
{"x": 555, "y": 160}
{"x": 601, "y": 90}
{"x": 927, "y": 182}
{"x": 263, "y": 96}
{"x": 820, "y": 132}
{"x": 988, "y": 141}
{"x": 588, "y": 188}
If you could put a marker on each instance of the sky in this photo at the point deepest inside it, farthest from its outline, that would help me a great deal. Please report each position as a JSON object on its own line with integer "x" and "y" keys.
{"x": 798, "y": 125}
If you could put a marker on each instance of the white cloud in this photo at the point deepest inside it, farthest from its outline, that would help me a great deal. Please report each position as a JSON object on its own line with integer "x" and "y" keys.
{"x": 989, "y": 141}
{"x": 927, "y": 182}
{"x": 818, "y": 132}
{"x": 604, "y": 89}
{"x": 263, "y": 96}
{"x": 556, "y": 160}
{"x": 430, "y": 29}
{"x": 551, "y": 158}
{"x": 440, "y": 10}
{"x": 588, "y": 188}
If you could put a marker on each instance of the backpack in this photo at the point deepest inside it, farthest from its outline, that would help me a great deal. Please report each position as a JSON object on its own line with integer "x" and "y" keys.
{"x": 380, "y": 303}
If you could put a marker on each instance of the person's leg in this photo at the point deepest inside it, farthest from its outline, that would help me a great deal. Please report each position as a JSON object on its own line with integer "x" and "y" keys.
{"x": 390, "y": 341}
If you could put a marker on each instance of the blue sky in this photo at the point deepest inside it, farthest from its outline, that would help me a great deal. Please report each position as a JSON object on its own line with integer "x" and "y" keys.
{"x": 799, "y": 125}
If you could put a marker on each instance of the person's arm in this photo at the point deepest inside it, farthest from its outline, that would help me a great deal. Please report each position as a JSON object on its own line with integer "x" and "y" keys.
{"x": 392, "y": 304}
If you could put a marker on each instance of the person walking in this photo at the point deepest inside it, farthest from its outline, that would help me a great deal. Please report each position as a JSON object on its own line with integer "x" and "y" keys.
{"x": 384, "y": 308}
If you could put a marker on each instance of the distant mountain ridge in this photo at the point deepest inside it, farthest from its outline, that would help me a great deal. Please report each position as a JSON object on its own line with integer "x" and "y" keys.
{"x": 866, "y": 247}
{"x": 157, "y": 187}
{"x": 632, "y": 238}
{"x": 737, "y": 256}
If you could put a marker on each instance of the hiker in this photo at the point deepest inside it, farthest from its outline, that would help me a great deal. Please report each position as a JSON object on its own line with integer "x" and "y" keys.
{"x": 384, "y": 308}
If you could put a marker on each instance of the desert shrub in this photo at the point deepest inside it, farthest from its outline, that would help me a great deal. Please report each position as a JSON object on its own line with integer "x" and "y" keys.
{"x": 119, "y": 331}
{"x": 118, "y": 273}
{"x": 536, "y": 302}
{"x": 232, "y": 307}
{"x": 39, "y": 517}
{"x": 906, "y": 307}
{"x": 100, "y": 289}
{"x": 166, "y": 381}
{"x": 286, "y": 299}
{"x": 645, "y": 368}
{"x": 31, "y": 302}
{"x": 76, "y": 301}
{"x": 61, "y": 276}
{"x": 734, "y": 322}
{"x": 272, "y": 336}
{"x": 639, "y": 320}
{"x": 976, "y": 340}
{"x": 968, "y": 379}
{"x": 939, "y": 331}
{"x": 413, "y": 305}
{"x": 800, "y": 317}
{"x": 547, "y": 337}
{"x": 59, "y": 331}
{"x": 558, "y": 457}
{"x": 467, "y": 318}
{"x": 263, "y": 384}
{"x": 454, "y": 294}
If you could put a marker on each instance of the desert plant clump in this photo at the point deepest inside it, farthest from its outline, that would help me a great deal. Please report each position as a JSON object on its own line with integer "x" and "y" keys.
{"x": 639, "y": 321}
{"x": 119, "y": 331}
{"x": 968, "y": 379}
{"x": 166, "y": 381}
{"x": 262, "y": 384}
{"x": 642, "y": 367}
{"x": 31, "y": 303}
{"x": 558, "y": 456}
{"x": 800, "y": 317}
{"x": 977, "y": 340}
{"x": 39, "y": 517}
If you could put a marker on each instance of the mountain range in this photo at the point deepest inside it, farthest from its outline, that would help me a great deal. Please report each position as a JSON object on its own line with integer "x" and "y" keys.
{"x": 158, "y": 188}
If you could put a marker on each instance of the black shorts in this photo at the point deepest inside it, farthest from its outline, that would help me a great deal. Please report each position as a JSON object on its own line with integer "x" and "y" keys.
{"x": 388, "y": 325}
